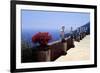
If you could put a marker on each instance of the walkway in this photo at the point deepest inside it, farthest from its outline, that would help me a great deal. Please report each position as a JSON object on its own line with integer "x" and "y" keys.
{"x": 81, "y": 51}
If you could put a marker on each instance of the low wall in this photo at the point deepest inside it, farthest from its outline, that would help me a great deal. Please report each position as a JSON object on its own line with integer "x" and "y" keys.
{"x": 58, "y": 49}
{"x": 49, "y": 53}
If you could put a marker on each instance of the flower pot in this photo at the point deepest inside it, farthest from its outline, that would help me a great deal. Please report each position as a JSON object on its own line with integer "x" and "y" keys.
{"x": 43, "y": 55}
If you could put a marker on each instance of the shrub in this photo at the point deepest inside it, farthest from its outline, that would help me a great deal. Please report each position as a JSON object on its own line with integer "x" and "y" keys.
{"x": 42, "y": 38}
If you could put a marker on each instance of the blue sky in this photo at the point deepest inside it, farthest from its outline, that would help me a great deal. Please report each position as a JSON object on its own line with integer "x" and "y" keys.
{"x": 50, "y": 20}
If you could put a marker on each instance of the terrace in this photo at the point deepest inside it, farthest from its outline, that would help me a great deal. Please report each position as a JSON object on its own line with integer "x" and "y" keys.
{"x": 53, "y": 51}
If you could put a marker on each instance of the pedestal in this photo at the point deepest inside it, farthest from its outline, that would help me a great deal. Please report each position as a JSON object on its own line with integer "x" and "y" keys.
{"x": 43, "y": 55}
{"x": 64, "y": 48}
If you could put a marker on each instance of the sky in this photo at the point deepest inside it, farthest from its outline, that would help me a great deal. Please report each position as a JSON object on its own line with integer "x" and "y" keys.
{"x": 50, "y": 20}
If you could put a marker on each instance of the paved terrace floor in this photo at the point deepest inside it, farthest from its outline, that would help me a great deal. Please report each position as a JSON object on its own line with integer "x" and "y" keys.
{"x": 81, "y": 51}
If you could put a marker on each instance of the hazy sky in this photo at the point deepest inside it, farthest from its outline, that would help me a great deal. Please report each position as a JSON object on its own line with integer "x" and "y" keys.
{"x": 49, "y": 20}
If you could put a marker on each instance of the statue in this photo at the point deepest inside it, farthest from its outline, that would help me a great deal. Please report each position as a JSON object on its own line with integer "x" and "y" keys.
{"x": 62, "y": 33}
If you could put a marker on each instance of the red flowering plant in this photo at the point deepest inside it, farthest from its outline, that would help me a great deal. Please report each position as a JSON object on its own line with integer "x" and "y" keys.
{"x": 42, "y": 38}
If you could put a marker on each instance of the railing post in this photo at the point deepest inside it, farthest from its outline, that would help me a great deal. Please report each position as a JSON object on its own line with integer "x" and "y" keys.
{"x": 64, "y": 46}
{"x": 44, "y": 55}
{"x": 48, "y": 58}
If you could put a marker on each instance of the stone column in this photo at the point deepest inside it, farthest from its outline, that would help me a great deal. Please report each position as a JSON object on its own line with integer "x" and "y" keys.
{"x": 65, "y": 46}
{"x": 78, "y": 38}
{"x": 44, "y": 55}
{"x": 47, "y": 58}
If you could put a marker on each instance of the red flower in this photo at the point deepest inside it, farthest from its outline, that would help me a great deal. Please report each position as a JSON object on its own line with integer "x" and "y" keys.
{"x": 42, "y": 38}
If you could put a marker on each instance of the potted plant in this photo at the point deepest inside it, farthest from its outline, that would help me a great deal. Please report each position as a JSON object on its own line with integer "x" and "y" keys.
{"x": 42, "y": 38}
